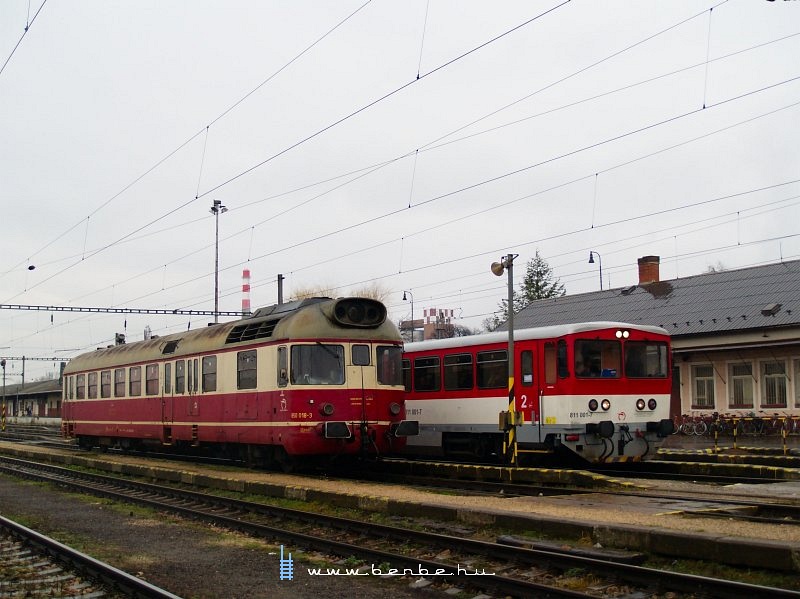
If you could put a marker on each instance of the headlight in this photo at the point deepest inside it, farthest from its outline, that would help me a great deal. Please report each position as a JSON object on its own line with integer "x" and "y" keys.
{"x": 394, "y": 408}
{"x": 606, "y": 405}
{"x": 592, "y": 405}
{"x": 652, "y": 404}
{"x": 640, "y": 404}
{"x": 326, "y": 409}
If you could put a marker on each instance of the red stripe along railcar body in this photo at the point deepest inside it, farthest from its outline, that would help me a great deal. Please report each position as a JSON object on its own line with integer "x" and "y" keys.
{"x": 312, "y": 378}
{"x": 600, "y": 390}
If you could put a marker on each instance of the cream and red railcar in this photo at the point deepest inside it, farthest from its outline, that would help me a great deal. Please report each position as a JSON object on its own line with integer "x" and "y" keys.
{"x": 600, "y": 390}
{"x": 316, "y": 377}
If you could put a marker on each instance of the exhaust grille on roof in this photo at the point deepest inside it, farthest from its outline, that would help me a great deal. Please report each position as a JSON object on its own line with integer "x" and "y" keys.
{"x": 771, "y": 309}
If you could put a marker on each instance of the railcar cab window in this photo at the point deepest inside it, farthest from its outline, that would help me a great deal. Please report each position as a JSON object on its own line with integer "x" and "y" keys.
{"x": 318, "y": 364}
{"x": 246, "y": 370}
{"x": 526, "y": 367}
{"x": 390, "y": 365}
{"x": 361, "y": 355}
{"x": 597, "y": 358}
{"x": 492, "y": 369}
{"x": 646, "y": 359}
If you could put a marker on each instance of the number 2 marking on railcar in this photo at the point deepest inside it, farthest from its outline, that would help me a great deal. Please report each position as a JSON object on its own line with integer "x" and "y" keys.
{"x": 524, "y": 403}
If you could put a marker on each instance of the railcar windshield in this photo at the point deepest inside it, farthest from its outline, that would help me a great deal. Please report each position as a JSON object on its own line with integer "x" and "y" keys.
{"x": 646, "y": 359}
{"x": 598, "y": 358}
{"x": 320, "y": 364}
{"x": 390, "y": 366}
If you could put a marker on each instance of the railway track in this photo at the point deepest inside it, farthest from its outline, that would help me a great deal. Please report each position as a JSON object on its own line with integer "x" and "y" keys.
{"x": 32, "y": 564}
{"x": 491, "y": 566}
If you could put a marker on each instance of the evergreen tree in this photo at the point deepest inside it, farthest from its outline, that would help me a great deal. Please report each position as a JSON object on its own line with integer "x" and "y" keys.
{"x": 537, "y": 284}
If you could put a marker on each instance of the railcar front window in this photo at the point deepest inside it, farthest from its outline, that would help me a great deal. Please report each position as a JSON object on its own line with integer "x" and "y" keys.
{"x": 597, "y": 358}
{"x": 390, "y": 365}
{"x": 646, "y": 359}
{"x": 319, "y": 364}
{"x": 361, "y": 355}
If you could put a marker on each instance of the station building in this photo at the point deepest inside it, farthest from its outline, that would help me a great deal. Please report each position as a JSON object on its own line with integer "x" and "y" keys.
{"x": 735, "y": 333}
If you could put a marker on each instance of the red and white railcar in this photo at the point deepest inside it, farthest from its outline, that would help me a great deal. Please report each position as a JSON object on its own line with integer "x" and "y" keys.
{"x": 316, "y": 377}
{"x": 598, "y": 389}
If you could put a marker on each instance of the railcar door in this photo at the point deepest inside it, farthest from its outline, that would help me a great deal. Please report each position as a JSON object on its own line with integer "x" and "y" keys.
{"x": 359, "y": 377}
{"x": 167, "y": 413}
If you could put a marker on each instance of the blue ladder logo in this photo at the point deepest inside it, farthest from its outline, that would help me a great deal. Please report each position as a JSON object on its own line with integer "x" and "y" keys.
{"x": 287, "y": 568}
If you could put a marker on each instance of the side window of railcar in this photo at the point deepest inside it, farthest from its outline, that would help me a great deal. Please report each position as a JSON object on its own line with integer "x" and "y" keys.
{"x": 194, "y": 375}
{"x": 151, "y": 379}
{"x": 646, "y": 359}
{"x": 319, "y": 364}
{"x": 72, "y": 387}
{"x": 119, "y": 382}
{"x": 361, "y": 355}
{"x": 561, "y": 357}
{"x": 390, "y": 365}
{"x": 168, "y": 377}
{"x": 105, "y": 383}
{"x": 458, "y": 372}
{"x": 92, "y": 387}
{"x": 597, "y": 358}
{"x": 81, "y": 387}
{"x": 492, "y": 369}
{"x": 209, "y": 373}
{"x": 550, "y": 363}
{"x": 407, "y": 374}
{"x": 135, "y": 381}
{"x": 180, "y": 376}
{"x": 426, "y": 374}
{"x": 526, "y": 367}
{"x": 283, "y": 367}
{"x": 246, "y": 377}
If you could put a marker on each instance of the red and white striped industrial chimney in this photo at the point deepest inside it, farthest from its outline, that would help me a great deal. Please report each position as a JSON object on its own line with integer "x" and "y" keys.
{"x": 246, "y": 292}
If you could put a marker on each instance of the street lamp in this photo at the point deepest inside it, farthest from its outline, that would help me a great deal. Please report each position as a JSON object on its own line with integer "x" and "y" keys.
{"x": 412, "y": 312}
{"x": 511, "y": 419}
{"x": 600, "y": 263}
{"x": 217, "y": 208}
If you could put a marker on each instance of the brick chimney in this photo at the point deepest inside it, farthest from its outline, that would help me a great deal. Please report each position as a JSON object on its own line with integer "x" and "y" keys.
{"x": 648, "y": 269}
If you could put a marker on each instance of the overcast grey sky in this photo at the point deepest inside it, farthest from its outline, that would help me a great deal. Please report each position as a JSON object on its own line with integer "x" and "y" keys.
{"x": 408, "y": 143}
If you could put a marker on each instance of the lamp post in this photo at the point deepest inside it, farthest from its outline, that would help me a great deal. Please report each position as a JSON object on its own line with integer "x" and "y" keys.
{"x": 217, "y": 208}
{"x": 412, "y": 312}
{"x": 600, "y": 264}
{"x": 511, "y": 419}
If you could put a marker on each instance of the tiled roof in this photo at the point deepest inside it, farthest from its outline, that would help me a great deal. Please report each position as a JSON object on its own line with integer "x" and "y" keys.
{"x": 718, "y": 302}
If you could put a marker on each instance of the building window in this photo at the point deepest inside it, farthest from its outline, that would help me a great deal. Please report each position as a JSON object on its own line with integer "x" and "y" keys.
{"x": 740, "y": 386}
{"x": 246, "y": 370}
{"x": 492, "y": 369}
{"x": 105, "y": 383}
{"x": 209, "y": 373}
{"x": 773, "y": 384}
{"x": 92, "y": 387}
{"x": 151, "y": 379}
{"x": 458, "y": 372}
{"x": 135, "y": 381}
{"x": 796, "y": 384}
{"x": 703, "y": 384}
{"x": 119, "y": 382}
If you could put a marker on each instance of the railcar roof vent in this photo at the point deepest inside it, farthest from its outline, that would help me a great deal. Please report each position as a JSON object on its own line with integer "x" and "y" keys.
{"x": 253, "y": 330}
